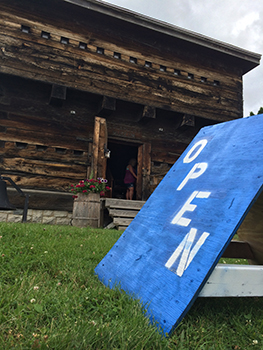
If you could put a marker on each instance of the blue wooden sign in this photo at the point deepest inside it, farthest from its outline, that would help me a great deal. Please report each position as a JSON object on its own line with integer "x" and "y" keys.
{"x": 171, "y": 247}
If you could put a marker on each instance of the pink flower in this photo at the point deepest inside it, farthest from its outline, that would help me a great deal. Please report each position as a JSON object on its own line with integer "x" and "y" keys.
{"x": 84, "y": 191}
{"x": 107, "y": 188}
{"x": 75, "y": 196}
{"x": 92, "y": 186}
{"x": 102, "y": 193}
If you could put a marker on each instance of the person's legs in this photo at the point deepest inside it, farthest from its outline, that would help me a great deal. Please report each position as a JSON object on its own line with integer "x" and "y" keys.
{"x": 131, "y": 191}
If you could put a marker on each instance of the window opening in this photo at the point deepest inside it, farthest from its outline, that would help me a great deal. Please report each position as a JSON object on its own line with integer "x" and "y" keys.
{"x": 100, "y": 50}
{"x": 45, "y": 35}
{"x": 148, "y": 64}
{"x": 117, "y": 55}
{"x": 82, "y": 46}
{"x": 64, "y": 40}
{"x": 133, "y": 60}
{"x": 25, "y": 29}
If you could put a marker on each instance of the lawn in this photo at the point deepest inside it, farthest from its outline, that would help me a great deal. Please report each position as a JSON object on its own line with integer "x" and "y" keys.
{"x": 51, "y": 299}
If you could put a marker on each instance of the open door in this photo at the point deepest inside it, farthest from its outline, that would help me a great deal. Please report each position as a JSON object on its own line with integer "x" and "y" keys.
{"x": 100, "y": 140}
{"x": 121, "y": 153}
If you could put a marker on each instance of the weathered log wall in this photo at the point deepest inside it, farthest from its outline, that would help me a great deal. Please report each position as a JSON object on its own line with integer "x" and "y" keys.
{"x": 39, "y": 50}
{"x": 42, "y": 146}
{"x": 61, "y": 65}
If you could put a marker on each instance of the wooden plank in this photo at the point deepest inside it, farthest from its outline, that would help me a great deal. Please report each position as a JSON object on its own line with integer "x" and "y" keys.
{"x": 238, "y": 249}
{"x": 170, "y": 249}
{"x": 234, "y": 281}
{"x": 123, "y": 213}
{"x": 139, "y": 181}
{"x": 100, "y": 140}
{"x": 96, "y": 74}
{"x": 251, "y": 230}
{"x": 52, "y": 154}
{"x": 123, "y": 204}
{"x": 40, "y": 167}
{"x": 146, "y": 170}
{"x": 41, "y": 182}
{"x": 122, "y": 221}
{"x": 95, "y": 151}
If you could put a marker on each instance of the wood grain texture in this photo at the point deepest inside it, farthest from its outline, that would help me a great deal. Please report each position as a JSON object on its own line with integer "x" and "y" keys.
{"x": 50, "y": 61}
{"x": 171, "y": 247}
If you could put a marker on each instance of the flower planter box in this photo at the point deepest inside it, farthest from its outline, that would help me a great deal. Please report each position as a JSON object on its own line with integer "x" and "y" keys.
{"x": 87, "y": 210}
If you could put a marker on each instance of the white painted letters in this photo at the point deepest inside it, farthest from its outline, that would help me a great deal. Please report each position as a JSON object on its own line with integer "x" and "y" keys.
{"x": 193, "y": 174}
{"x": 188, "y": 206}
{"x": 202, "y": 144}
{"x": 187, "y": 254}
{"x": 185, "y": 247}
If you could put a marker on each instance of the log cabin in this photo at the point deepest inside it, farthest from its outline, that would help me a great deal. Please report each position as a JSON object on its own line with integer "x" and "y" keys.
{"x": 80, "y": 78}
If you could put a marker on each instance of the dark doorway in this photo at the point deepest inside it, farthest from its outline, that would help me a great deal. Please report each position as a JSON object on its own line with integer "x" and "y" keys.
{"x": 120, "y": 155}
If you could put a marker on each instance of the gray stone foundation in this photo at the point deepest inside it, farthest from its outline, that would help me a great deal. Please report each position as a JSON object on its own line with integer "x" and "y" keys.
{"x": 47, "y": 217}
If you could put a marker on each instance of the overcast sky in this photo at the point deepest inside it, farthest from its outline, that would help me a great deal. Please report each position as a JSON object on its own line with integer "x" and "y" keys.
{"x": 236, "y": 22}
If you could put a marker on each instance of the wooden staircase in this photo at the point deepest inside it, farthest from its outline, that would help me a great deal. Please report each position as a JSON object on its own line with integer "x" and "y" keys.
{"x": 122, "y": 211}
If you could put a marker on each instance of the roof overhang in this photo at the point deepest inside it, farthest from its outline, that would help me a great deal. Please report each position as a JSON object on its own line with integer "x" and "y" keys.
{"x": 250, "y": 59}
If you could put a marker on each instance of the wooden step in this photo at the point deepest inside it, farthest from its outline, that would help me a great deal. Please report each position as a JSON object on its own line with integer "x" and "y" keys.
{"x": 123, "y": 204}
{"x": 122, "y": 211}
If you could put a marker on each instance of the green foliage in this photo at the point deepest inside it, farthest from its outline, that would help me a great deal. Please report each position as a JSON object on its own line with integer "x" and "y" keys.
{"x": 90, "y": 186}
{"x": 260, "y": 111}
{"x": 51, "y": 299}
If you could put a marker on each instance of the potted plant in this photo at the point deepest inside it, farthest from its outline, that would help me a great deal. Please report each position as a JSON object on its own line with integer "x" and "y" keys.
{"x": 87, "y": 206}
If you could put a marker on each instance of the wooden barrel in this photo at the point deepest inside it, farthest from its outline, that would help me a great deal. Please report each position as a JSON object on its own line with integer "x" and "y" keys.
{"x": 86, "y": 210}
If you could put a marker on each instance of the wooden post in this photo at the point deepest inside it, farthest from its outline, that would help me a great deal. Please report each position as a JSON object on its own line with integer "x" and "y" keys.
{"x": 100, "y": 137}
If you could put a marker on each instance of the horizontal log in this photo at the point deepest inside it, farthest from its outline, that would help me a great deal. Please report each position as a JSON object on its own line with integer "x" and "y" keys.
{"x": 42, "y": 182}
{"x": 41, "y": 200}
{"x": 42, "y": 138}
{"x": 48, "y": 125}
{"x": 40, "y": 167}
{"x": 180, "y": 95}
{"x": 9, "y": 26}
{"x": 52, "y": 154}
{"x": 123, "y": 213}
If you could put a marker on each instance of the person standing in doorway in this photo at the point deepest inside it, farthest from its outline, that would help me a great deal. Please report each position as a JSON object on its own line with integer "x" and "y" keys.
{"x": 130, "y": 178}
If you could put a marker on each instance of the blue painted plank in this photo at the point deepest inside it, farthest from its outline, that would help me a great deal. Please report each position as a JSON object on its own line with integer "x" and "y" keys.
{"x": 169, "y": 250}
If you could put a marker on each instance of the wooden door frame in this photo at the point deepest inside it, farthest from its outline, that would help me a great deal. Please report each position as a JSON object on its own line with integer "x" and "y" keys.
{"x": 100, "y": 141}
{"x": 144, "y": 171}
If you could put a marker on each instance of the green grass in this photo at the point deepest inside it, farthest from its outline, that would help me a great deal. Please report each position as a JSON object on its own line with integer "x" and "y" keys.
{"x": 51, "y": 299}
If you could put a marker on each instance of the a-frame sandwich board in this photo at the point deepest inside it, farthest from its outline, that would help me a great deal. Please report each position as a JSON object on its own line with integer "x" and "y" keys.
{"x": 171, "y": 247}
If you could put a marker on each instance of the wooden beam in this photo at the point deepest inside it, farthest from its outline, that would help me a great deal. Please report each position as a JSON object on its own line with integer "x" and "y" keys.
{"x": 188, "y": 120}
{"x": 107, "y": 106}
{"x": 234, "y": 281}
{"x": 148, "y": 113}
{"x": 100, "y": 138}
{"x": 58, "y": 95}
{"x": 238, "y": 249}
